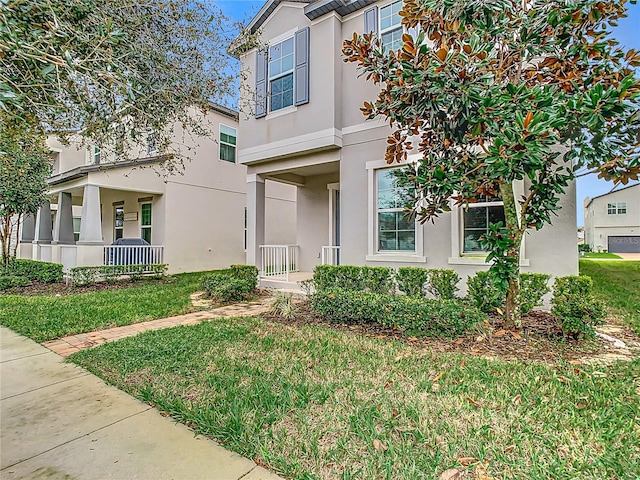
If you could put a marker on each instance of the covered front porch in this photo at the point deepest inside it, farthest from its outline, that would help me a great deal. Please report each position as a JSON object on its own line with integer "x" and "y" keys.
{"x": 79, "y": 222}
{"x": 317, "y": 241}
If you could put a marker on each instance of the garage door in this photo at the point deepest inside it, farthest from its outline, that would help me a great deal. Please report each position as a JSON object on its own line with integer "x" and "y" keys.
{"x": 624, "y": 244}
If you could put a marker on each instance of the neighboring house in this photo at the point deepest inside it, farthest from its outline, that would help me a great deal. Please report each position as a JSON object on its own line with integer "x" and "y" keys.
{"x": 194, "y": 221}
{"x": 612, "y": 221}
{"x": 307, "y": 130}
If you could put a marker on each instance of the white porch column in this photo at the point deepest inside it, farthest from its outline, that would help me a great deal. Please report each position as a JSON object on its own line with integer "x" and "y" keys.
{"x": 43, "y": 232}
{"x": 28, "y": 228}
{"x": 63, "y": 228}
{"x": 91, "y": 223}
{"x": 255, "y": 218}
{"x": 27, "y": 234}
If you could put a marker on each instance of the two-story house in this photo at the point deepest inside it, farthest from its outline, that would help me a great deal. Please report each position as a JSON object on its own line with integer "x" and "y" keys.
{"x": 612, "y": 221}
{"x": 194, "y": 221}
{"x": 307, "y": 130}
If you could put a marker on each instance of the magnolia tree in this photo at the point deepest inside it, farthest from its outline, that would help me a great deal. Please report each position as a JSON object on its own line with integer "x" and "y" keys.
{"x": 120, "y": 71}
{"x": 25, "y": 163}
{"x": 490, "y": 94}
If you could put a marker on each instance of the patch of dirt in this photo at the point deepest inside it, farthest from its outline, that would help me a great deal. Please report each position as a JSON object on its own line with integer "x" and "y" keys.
{"x": 58, "y": 289}
{"x": 540, "y": 339}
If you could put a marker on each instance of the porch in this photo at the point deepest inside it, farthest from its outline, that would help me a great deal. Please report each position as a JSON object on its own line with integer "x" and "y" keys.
{"x": 317, "y": 237}
{"x": 279, "y": 266}
{"x": 72, "y": 228}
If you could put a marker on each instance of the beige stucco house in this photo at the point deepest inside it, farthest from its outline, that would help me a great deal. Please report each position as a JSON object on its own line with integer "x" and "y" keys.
{"x": 194, "y": 221}
{"x": 612, "y": 221}
{"x": 307, "y": 130}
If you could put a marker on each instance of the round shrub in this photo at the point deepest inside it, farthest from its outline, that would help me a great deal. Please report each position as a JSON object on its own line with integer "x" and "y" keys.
{"x": 575, "y": 307}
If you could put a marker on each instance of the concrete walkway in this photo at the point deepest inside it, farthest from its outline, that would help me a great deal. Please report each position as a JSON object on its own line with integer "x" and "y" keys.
{"x": 67, "y": 345}
{"x": 59, "y": 422}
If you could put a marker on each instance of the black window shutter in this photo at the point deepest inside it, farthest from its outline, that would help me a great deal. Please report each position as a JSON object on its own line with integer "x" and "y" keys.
{"x": 261, "y": 83}
{"x": 371, "y": 21}
{"x": 302, "y": 67}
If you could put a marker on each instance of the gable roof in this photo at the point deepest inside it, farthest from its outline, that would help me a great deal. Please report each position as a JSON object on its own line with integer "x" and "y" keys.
{"x": 313, "y": 9}
{"x": 612, "y": 191}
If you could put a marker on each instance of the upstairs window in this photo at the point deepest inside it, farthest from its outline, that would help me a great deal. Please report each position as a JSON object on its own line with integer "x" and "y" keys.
{"x": 281, "y": 75}
{"x": 227, "y": 144}
{"x": 619, "y": 208}
{"x": 477, "y": 218}
{"x": 391, "y": 26}
{"x": 95, "y": 155}
{"x": 152, "y": 147}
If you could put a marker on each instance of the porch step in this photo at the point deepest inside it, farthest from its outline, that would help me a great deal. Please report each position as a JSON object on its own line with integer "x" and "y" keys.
{"x": 282, "y": 285}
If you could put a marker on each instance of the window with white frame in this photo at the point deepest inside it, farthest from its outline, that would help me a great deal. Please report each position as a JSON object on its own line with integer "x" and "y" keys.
{"x": 76, "y": 228}
{"x": 95, "y": 154}
{"x": 281, "y": 63}
{"x": 476, "y": 220}
{"x": 152, "y": 147}
{"x": 619, "y": 208}
{"x": 391, "y": 26}
{"x": 145, "y": 221}
{"x": 396, "y": 232}
{"x": 118, "y": 223}
{"x": 227, "y": 145}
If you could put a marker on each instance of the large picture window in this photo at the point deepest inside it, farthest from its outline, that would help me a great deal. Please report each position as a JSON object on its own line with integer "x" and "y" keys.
{"x": 227, "y": 144}
{"x": 281, "y": 63}
{"x": 391, "y": 26}
{"x": 477, "y": 218}
{"x": 145, "y": 221}
{"x": 395, "y": 231}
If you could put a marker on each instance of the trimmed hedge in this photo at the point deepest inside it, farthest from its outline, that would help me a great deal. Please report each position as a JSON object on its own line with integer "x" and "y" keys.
{"x": 412, "y": 280}
{"x": 416, "y": 315}
{"x": 10, "y": 281}
{"x": 34, "y": 270}
{"x": 111, "y": 273}
{"x": 232, "y": 285}
{"x": 575, "y": 307}
{"x": 349, "y": 277}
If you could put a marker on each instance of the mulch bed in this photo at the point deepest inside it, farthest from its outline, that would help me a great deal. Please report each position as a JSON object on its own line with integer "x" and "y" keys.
{"x": 58, "y": 289}
{"x": 540, "y": 338}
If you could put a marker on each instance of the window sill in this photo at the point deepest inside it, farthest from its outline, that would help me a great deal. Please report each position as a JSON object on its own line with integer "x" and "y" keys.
{"x": 396, "y": 257}
{"x": 479, "y": 260}
{"x": 281, "y": 112}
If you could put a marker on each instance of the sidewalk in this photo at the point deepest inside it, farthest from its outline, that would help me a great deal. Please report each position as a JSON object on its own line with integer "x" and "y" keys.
{"x": 65, "y": 346}
{"x": 59, "y": 422}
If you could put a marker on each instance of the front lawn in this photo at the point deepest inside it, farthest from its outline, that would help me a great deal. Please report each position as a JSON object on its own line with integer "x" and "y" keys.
{"x": 312, "y": 402}
{"x": 600, "y": 255}
{"x": 47, "y": 317}
{"x": 618, "y": 285}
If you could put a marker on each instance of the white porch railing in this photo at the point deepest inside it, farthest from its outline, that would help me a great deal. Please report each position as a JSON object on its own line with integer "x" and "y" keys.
{"x": 133, "y": 255}
{"x": 331, "y": 255}
{"x": 278, "y": 260}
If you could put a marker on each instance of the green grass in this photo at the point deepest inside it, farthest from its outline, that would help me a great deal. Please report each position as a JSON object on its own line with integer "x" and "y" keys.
{"x": 600, "y": 255}
{"x": 47, "y": 317}
{"x": 618, "y": 285}
{"x": 313, "y": 403}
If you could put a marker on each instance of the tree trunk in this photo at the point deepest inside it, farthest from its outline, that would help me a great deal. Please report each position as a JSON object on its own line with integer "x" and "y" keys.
{"x": 511, "y": 213}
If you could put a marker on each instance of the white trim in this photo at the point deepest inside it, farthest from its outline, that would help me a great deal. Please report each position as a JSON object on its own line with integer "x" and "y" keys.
{"x": 150, "y": 220}
{"x": 329, "y": 138}
{"x": 281, "y": 112}
{"x": 253, "y": 177}
{"x": 361, "y": 127}
{"x": 283, "y": 36}
{"x": 332, "y": 187}
{"x": 390, "y": 257}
